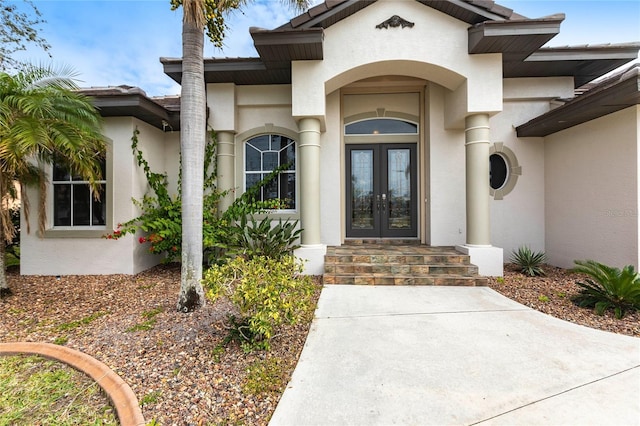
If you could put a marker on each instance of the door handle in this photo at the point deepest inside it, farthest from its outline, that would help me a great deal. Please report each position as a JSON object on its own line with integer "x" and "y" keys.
{"x": 384, "y": 201}
{"x": 378, "y": 202}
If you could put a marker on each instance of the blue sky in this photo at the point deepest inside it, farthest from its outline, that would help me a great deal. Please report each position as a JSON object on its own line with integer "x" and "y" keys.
{"x": 113, "y": 42}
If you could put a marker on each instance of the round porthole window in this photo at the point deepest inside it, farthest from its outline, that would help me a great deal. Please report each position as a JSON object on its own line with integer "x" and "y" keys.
{"x": 503, "y": 170}
{"x": 498, "y": 171}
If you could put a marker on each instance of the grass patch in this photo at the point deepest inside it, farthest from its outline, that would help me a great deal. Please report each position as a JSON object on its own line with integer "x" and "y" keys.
{"x": 149, "y": 323}
{"x": 36, "y": 391}
{"x": 72, "y": 325}
{"x": 150, "y": 398}
{"x": 62, "y": 340}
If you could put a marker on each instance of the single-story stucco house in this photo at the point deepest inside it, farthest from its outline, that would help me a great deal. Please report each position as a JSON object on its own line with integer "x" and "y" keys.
{"x": 443, "y": 122}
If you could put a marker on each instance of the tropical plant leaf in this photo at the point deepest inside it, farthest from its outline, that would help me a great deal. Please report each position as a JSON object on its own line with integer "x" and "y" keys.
{"x": 529, "y": 262}
{"x": 607, "y": 287}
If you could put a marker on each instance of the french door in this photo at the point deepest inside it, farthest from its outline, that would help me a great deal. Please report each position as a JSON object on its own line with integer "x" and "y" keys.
{"x": 381, "y": 191}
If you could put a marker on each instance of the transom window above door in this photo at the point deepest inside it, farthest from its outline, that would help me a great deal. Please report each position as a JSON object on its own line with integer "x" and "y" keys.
{"x": 381, "y": 126}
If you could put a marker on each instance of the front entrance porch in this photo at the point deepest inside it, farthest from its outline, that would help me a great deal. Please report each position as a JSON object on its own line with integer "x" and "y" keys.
{"x": 398, "y": 262}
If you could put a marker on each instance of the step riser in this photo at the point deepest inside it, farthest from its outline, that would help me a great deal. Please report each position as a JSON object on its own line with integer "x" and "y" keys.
{"x": 391, "y": 280}
{"x": 391, "y": 262}
{"x": 395, "y": 269}
{"x": 404, "y": 259}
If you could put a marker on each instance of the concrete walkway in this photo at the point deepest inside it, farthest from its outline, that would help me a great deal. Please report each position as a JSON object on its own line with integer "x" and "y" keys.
{"x": 456, "y": 355}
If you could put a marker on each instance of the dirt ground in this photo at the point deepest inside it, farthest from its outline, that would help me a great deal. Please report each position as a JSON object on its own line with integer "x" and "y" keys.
{"x": 170, "y": 360}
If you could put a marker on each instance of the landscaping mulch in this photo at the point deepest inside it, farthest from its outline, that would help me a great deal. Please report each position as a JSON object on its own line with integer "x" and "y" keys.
{"x": 170, "y": 362}
{"x": 552, "y": 295}
{"x": 170, "y": 359}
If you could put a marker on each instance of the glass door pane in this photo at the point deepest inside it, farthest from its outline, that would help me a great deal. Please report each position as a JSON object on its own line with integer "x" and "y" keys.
{"x": 362, "y": 194}
{"x": 398, "y": 189}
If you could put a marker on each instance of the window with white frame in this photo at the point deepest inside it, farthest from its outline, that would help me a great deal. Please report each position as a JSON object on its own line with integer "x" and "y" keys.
{"x": 265, "y": 153}
{"x": 74, "y": 202}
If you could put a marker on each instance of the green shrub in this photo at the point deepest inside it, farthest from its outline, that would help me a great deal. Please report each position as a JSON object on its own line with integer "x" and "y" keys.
{"x": 161, "y": 218}
{"x": 265, "y": 292}
{"x": 265, "y": 376}
{"x": 607, "y": 287}
{"x": 251, "y": 238}
{"x": 529, "y": 262}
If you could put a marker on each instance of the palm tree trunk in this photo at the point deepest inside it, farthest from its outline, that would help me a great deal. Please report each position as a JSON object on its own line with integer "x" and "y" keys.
{"x": 192, "y": 145}
{"x": 4, "y": 285}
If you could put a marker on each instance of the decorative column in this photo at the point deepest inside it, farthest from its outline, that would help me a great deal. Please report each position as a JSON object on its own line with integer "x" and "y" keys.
{"x": 487, "y": 258}
{"x": 309, "y": 166}
{"x": 226, "y": 169}
{"x": 477, "y": 180}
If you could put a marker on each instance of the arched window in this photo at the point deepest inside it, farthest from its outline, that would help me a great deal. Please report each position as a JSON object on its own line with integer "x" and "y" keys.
{"x": 265, "y": 153}
{"x": 381, "y": 126}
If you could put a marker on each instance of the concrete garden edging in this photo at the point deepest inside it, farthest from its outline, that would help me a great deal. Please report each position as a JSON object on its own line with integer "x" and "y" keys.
{"x": 118, "y": 391}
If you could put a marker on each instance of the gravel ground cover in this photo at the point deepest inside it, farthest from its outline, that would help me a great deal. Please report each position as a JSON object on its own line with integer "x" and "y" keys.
{"x": 552, "y": 294}
{"x": 170, "y": 359}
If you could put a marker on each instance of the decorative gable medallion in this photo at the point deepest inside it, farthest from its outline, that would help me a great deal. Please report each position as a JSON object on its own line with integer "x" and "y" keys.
{"x": 394, "y": 22}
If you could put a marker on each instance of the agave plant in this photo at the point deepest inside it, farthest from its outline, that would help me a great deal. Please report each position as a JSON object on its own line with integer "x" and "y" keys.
{"x": 608, "y": 287}
{"x": 530, "y": 262}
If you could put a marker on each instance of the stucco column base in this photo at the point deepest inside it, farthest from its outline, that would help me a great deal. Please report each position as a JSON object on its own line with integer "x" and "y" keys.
{"x": 313, "y": 257}
{"x": 488, "y": 259}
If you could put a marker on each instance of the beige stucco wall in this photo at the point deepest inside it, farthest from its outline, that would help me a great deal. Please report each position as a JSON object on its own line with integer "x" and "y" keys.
{"x": 446, "y": 200}
{"x": 435, "y": 49}
{"x": 331, "y": 171}
{"x": 591, "y": 186}
{"x": 518, "y": 218}
{"x": 66, "y": 255}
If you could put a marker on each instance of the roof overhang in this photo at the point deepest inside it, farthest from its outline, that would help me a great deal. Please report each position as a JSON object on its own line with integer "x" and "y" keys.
{"x": 623, "y": 91}
{"x": 516, "y": 40}
{"x": 584, "y": 63}
{"x": 278, "y": 48}
{"x": 113, "y": 104}
{"x": 241, "y": 71}
{"x": 495, "y": 29}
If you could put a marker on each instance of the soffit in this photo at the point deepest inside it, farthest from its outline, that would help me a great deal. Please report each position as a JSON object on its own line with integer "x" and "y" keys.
{"x": 332, "y": 11}
{"x": 240, "y": 71}
{"x": 515, "y": 39}
{"x": 584, "y": 63}
{"x": 125, "y": 101}
{"x": 614, "y": 94}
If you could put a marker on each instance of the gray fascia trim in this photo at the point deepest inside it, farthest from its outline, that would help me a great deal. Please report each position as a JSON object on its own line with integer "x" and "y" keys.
{"x": 279, "y": 37}
{"x": 130, "y": 101}
{"x": 144, "y": 105}
{"x": 173, "y": 66}
{"x": 478, "y": 32}
{"x": 621, "y": 51}
{"x": 621, "y": 95}
{"x": 319, "y": 18}
{"x": 528, "y": 27}
{"x": 471, "y": 8}
{"x": 211, "y": 65}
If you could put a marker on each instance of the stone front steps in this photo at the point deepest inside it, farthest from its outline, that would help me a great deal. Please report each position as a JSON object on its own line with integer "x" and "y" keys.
{"x": 398, "y": 262}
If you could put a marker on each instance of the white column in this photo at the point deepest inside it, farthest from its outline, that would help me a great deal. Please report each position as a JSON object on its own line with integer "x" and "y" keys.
{"x": 312, "y": 251}
{"x": 477, "y": 179}
{"x": 226, "y": 168}
{"x": 309, "y": 148}
{"x": 478, "y": 244}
